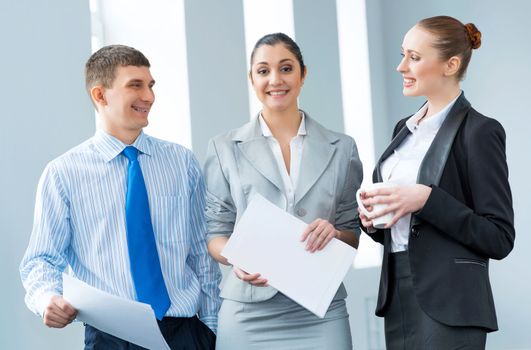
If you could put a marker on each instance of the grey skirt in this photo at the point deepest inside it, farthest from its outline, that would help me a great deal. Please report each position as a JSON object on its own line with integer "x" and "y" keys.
{"x": 280, "y": 323}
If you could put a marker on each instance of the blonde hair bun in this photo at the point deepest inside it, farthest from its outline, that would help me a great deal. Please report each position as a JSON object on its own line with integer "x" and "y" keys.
{"x": 474, "y": 34}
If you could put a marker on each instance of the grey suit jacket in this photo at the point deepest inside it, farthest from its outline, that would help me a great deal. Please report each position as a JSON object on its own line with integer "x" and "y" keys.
{"x": 240, "y": 163}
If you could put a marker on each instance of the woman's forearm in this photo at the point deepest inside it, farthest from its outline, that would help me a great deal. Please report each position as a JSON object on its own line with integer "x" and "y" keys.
{"x": 349, "y": 238}
{"x": 215, "y": 246}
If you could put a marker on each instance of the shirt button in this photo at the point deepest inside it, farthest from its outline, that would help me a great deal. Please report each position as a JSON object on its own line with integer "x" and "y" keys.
{"x": 301, "y": 212}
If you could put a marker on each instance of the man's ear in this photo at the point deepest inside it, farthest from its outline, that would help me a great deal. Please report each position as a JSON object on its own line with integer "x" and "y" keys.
{"x": 97, "y": 94}
{"x": 452, "y": 66}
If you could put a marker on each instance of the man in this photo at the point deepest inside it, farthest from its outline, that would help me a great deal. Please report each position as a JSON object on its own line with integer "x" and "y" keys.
{"x": 125, "y": 211}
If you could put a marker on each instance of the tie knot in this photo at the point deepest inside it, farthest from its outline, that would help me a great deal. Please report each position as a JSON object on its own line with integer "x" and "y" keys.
{"x": 131, "y": 153}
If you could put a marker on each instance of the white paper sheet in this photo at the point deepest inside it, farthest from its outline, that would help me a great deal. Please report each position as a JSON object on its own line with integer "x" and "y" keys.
{"x": 126, "y": 319}
{"x": 266, "y": 240}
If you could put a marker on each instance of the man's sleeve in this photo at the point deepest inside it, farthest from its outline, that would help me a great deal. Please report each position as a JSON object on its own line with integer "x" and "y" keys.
{"x": 44, "y": 261}
{"x": 205, "y": 267}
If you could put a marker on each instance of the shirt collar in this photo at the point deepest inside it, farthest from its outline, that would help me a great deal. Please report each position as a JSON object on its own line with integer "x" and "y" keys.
{"x": 110, "y": 147}
{"x": 432, "y": 123}
{"x": 267, "y": 132}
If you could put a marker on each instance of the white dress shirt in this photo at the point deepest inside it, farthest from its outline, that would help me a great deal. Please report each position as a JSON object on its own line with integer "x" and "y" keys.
{"x": 402, "y": 167}
{"x": 296, "y": 146}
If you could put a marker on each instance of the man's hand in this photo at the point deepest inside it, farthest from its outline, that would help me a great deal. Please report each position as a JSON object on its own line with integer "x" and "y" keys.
{"x": 59, "y": 312}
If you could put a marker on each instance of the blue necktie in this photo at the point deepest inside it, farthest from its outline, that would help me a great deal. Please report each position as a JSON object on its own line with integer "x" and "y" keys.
{"x": 143, "y": 257}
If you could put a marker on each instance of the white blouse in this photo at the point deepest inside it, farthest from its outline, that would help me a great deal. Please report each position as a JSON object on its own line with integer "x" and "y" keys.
{"x": 296, "y": 146}
{"x": 402, "y": 167}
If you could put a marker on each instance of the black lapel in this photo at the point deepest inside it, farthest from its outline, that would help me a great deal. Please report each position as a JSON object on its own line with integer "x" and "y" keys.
{"x": 434, "y": 161}
{"x": 432, "y": 165}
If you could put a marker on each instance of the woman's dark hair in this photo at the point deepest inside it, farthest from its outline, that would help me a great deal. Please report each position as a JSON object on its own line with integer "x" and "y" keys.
{"x": 280, "y": 38}
{"x": 453, "y": 38}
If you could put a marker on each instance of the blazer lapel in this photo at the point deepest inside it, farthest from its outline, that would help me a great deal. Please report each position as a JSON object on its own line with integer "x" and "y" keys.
{"x": 432, "y": 165}
{"x": 319, "y": 148}
{"x": 255, "y": 148}
{"x": 434, "y": 161}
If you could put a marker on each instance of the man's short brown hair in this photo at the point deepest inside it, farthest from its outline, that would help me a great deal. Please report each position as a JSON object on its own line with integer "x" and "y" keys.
{"x": 101, "y": 67}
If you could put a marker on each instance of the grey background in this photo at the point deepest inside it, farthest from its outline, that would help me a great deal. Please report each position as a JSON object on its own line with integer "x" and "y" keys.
{"x": 46, "y": 111}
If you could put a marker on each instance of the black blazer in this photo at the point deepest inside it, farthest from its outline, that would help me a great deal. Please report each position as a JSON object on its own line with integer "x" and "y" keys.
{"x": 467, "y": 219}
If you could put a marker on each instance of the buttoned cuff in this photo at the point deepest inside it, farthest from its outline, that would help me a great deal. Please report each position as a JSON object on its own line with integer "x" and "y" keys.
{"x": 41, "y": 303}
{"x": 211, "y": 322}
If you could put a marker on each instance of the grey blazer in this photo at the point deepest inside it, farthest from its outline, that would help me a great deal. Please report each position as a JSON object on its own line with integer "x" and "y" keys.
{"x": 240, "y": 163}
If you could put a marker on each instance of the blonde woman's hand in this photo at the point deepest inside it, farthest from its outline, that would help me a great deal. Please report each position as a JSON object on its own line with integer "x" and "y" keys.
{"x": 401, "y": 200}
{"x": 365, "y": 221}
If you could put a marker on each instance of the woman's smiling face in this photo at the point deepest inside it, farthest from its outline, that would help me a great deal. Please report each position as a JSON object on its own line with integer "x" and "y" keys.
{"x": 421, "y": 66}
{"x": 276, "y": 77}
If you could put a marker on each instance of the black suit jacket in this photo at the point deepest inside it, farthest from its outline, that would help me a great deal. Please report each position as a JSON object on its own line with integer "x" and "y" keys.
{"x": 467, "y": 219}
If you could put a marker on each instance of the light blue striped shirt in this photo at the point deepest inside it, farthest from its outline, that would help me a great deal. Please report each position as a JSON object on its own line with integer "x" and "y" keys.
{"x": 80, "y": 222}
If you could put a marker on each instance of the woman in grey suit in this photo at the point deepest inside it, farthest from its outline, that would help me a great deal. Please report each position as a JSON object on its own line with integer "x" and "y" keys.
{"x": 303, "y": 168}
